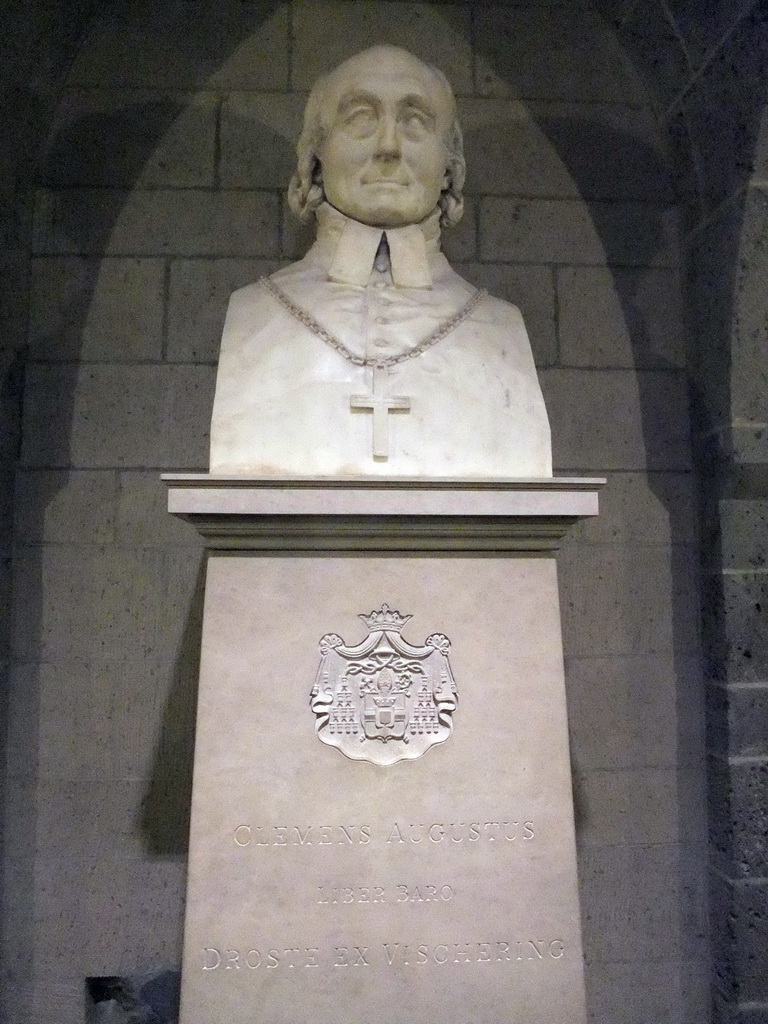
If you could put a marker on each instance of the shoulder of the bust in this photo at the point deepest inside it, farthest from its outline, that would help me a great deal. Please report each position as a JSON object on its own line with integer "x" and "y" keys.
{"x": 252, "y": 292}
{"x": 248, "y": 294}
{"x": 500, "y": 308}
{"x": 251, "y": 308}
{"x": 497, "y": 318}
{"x": 493, "y": 309}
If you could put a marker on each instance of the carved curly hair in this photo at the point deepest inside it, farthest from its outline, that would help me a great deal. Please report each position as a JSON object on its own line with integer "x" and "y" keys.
{"x": 306, "y": 193}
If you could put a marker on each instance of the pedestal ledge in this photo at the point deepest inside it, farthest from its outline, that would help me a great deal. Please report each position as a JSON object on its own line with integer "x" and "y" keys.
{"x": 379, "y": 514}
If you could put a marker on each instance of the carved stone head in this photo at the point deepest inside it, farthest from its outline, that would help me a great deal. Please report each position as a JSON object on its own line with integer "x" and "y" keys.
{"x": 381, "y": 142}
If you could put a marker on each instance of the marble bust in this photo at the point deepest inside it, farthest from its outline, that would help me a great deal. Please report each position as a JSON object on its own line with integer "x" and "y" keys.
{"x": 371, "y": 356}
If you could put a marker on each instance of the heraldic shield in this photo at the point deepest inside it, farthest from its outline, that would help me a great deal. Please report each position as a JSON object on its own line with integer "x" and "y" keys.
{"x": 384, "y": 700}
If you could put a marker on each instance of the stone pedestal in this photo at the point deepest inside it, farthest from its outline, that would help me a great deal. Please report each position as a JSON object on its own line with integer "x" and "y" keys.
{"x": 382, "y": 820}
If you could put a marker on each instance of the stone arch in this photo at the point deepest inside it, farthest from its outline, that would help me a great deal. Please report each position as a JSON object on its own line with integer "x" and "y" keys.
{"x": 723, "y": 114}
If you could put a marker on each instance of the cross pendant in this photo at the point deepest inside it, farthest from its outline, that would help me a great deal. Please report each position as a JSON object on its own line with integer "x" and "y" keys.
{"x": 380, "y": 405}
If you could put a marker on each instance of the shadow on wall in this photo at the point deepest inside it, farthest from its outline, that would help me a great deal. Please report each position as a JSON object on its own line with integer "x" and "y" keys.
{"x": 115, "y": 150}
{"x": 107, "y": 148}
{"x": 100, "y": 149}
{"x": 165, "y": 810}
{"x": 97, "y": 149}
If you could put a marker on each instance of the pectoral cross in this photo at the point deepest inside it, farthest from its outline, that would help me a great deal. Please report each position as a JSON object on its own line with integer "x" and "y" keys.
{"x": 380, "y": 405}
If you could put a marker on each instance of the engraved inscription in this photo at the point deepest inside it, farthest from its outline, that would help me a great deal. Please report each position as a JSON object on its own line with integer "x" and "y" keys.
{"x": 459, "y": 832}
{"x": 343, "y": 894}
{"x": 389, "y": 955}
{"x": 473, "y": 952}
{"x": 356, "y": 957}
{"x": 384, "y": 700}
{"x": 253, "y": 959}
{"x": 350, "y": 894}
{"x": 447, "y": 833}
{"x": 302, "y": 835}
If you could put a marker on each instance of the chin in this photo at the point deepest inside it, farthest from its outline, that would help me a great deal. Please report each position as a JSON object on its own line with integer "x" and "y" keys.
{"x": 388, "y": 205}
{"x": 385, "y": 216}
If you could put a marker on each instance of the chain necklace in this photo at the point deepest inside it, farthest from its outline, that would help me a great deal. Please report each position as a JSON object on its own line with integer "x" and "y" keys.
{"x": 440, "y": 332}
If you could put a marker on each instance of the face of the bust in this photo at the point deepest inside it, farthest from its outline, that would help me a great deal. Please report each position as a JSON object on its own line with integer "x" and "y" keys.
{"x": 384, "y": 156}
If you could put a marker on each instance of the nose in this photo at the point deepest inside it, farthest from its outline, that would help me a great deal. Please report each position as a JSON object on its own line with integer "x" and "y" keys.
{"x": 388, "y": 139}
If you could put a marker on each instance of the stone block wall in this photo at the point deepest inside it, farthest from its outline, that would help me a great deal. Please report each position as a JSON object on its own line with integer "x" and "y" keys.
{"x": 160, "y": 190}
{"x": 714, "y": 107}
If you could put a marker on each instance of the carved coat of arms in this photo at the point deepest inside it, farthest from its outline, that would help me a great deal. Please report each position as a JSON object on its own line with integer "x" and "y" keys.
{"x": 384, "y": 700}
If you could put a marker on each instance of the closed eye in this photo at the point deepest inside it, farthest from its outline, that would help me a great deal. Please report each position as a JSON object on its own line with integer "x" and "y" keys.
{"x": 416, "y": 120}
{"x": 358, "y": 113}
{"x": 360, "y": 120}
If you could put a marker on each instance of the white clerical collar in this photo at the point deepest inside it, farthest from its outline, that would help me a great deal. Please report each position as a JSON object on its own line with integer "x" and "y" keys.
{"x": 351, "y": 248}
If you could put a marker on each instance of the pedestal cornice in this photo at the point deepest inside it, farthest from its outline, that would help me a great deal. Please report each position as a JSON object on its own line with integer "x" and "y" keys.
{"x": 300, "y": 514}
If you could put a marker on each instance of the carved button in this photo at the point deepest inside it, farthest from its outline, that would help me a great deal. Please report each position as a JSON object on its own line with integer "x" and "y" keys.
{"x": 380, "y": 342}
{"x": 380, "y": 284}
{"x": 382, "y": 319}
